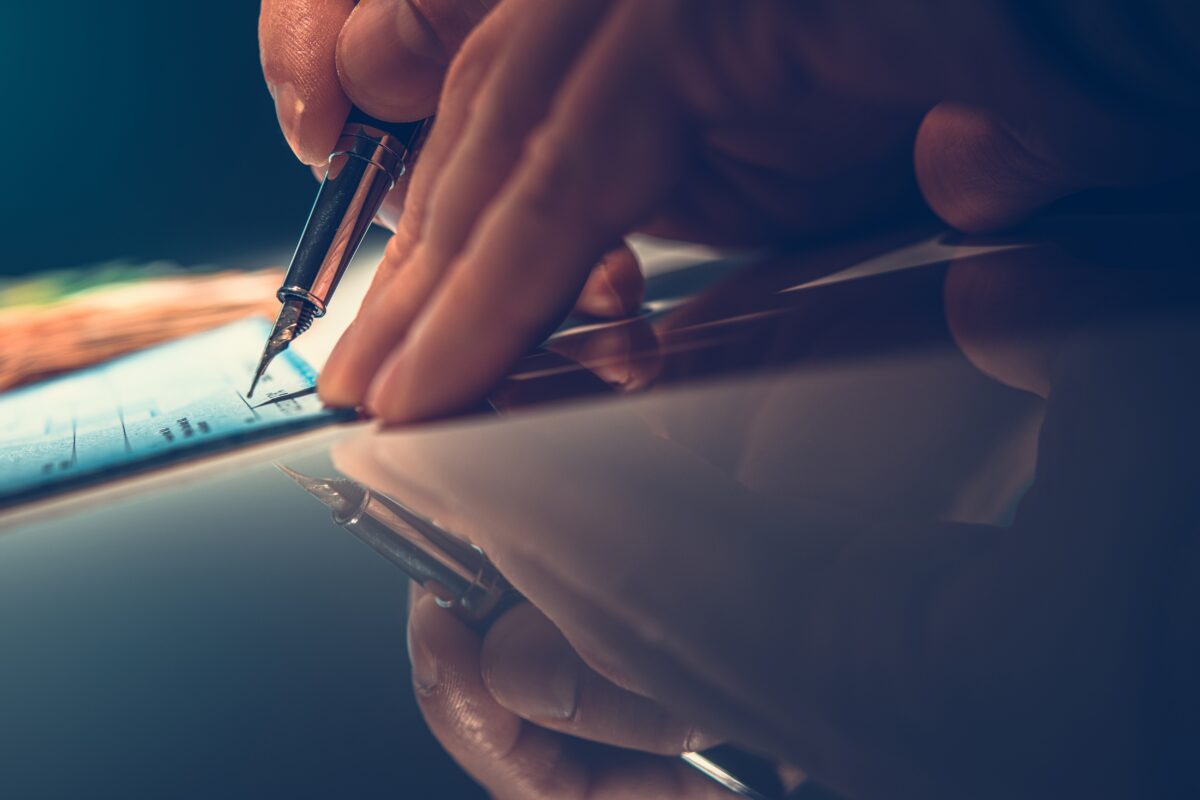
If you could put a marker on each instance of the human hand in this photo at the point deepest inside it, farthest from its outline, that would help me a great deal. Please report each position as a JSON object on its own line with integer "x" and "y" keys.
{"x": 388, "y": 57}
{"x": 527, "y": 717}
{"x": 500, "y": 85}
{"x": 533, "y": 170}
{"x": 524, "y": 713}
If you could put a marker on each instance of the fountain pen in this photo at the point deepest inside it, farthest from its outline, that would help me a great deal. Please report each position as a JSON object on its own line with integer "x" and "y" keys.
{"x": 369, "y": 158}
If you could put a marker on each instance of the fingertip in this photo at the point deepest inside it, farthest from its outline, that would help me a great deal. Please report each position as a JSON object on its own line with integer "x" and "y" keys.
{"x": 440, "y": 636}
{"x": 422, "y": 657}
{"x": 414, "y": 385}
{"x": 296, "y": 42}
{"x": 310, "y": 126}
{"x": 342, "y": 384}
{"x": 377, "y": 331}
{"x": 430, "y": 374}
{"x": 977, "y": 175}
{"x": 531, "y": 670}
{"x": 335, "y": 394}
{"x": 464, "y": 716}
{"x": 614, "y": 287}
{"x": 529, "y": 667}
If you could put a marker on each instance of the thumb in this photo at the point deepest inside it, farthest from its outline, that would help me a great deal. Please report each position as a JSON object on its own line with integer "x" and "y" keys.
{"x": 393, "y": 54}
{"x": 978, "y": 175}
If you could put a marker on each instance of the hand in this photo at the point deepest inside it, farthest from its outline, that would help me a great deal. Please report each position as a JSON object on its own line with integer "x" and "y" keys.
{"x": 528, "y": 718}
{"x": 522, "y": 710}
{"x": 389, "y": 57}
{"x": 753, "y": 122}
{"x": 519, "y": 709}
{"x": 741, "y": 176}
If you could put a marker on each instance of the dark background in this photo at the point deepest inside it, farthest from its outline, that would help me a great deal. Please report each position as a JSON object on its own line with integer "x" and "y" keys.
{"x": 178, "y": 663}
{"x": 141, "y": 130}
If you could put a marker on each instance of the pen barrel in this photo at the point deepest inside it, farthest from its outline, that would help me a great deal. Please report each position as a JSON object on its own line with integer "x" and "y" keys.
{"x": 455, "y": 572}
{"x": 463, "y": 580}
{"x": 369, "y": 158}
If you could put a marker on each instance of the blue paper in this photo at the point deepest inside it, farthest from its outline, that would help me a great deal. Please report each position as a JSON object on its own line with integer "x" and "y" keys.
{"x": 168, "y": 403}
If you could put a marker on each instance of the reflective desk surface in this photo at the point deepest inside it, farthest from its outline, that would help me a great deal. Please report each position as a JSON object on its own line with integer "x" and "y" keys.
{"x": 209, "y": 632}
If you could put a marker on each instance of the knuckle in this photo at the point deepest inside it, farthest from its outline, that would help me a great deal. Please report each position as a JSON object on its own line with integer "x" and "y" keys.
{"x": 395, "y": 254}
{"x": 467, "y": 70}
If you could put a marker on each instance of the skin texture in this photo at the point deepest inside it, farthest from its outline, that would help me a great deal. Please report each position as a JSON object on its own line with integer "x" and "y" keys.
{"x": 562, "y": 127}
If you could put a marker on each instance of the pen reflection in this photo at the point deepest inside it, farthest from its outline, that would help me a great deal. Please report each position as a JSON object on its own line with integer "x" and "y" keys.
{"x": 745, "y": 546}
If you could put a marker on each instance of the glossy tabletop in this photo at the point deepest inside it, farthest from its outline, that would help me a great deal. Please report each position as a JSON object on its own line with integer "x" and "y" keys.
{"x": 208, "y": 631}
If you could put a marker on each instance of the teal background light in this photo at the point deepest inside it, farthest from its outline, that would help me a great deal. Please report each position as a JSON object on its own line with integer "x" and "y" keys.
{"x": 140, "y": 130}
{"x": 174, "y": 645}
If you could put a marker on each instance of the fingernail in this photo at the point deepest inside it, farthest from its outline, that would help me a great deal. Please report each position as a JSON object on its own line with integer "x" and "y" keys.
{"x": 288, "y": 108}
{"x": 609, "y": 354}
{"x": 424, "y": 667}
{"x": 530, "y": 668}
{"x": 389, "y": 61}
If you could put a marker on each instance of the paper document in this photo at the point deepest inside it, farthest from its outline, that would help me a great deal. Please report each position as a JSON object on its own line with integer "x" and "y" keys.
{"x": 164, "y": 404}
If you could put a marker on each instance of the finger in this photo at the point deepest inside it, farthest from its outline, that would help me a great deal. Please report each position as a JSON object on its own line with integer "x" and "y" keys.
{"x": 397, "y": 290}
{"x": 978, "y": 175}
{"x": 529, "y": 256}
{"x": 623, "y": 354}
{"x": 570, "y": 570}
{"x": 513, "y": 758}
{"x": 449, "y": 189}
{"x": 1010, "y": 312}
{"x": 297, "y": 41}
{"x": 393, "y": 54}
{"x": 532, "y": 671}
{"x": 614, "y": 287}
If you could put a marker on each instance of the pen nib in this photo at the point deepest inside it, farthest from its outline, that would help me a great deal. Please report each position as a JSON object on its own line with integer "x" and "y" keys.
{"x": 338, "y": 494}
{"x": 294, "y": 319}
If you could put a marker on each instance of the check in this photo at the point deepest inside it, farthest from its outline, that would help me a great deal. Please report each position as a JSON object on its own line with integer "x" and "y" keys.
{"x": 164, "y": 404}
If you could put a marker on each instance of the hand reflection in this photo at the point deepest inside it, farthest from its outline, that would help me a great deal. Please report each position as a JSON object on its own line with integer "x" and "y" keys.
{"x": 887, "y": 655}
{"x": 620, "y": 356}
{"x": 520, "y": 711}
{"x": 525, "y": 708}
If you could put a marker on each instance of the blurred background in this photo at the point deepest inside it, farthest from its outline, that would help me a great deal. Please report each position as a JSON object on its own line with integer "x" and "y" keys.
{"x": 142, "y": 130}
{"x": 145, "y": 667}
